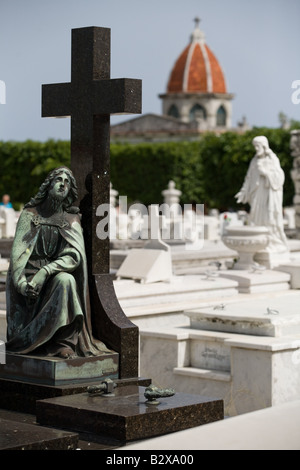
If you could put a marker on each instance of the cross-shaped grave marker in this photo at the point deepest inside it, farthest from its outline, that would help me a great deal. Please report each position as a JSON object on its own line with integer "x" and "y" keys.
{"x": 89, "y": 99}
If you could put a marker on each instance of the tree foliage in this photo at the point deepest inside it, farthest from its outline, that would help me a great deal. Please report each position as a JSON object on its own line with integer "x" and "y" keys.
{"x": 24, "y": 165}
{"x": 208, "y": 171}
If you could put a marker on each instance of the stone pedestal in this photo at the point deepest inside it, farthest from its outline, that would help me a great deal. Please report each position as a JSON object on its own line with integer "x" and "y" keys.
{"x": 55, "y": 371}
{"x": 126, "y": 416}
{"x": 26, "y": 379}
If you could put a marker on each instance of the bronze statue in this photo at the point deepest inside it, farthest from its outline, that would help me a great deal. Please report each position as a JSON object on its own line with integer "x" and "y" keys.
{"x": 47, "y": 290}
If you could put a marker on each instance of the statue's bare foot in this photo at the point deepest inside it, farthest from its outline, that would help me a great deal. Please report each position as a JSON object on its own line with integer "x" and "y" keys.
{"x": 66, "y": 353}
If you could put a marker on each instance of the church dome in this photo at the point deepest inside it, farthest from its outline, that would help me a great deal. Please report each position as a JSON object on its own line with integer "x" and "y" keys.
{"x": 197, "y": 69}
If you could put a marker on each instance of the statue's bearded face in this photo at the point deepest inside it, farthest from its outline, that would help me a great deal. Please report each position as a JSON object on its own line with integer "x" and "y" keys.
{"x": 260, "y": 151}
{"x": 60, "y": 186}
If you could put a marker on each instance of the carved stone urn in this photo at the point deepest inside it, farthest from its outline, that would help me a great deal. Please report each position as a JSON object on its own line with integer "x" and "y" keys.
{"x": 246, "y": 240}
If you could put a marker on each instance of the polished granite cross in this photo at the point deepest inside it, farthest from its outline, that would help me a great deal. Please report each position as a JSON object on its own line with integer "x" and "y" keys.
{"x": 89, "y": 99}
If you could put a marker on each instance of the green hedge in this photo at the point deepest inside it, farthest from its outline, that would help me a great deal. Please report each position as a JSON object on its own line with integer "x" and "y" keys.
{"x": 209, "y": 171}
{"x": 142, "y": 171}
{"x": 24, "y": 165}
{"x": 226, "y": 160}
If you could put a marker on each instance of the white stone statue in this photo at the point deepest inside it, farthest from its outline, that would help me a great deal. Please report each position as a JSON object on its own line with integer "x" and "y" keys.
{"x": 263, "y": 190}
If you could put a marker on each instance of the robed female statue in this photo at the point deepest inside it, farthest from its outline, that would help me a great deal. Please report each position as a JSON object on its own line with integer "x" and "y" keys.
{"x": 48, "y": 311}
{"x": 263, "y": 190}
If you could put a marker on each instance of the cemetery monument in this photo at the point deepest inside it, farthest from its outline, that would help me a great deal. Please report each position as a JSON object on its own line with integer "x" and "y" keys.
{"x": 89, "y": 99}
{"x": 263, "y": 190}
{"x": 58, "y": 272}
{"x": 47, "y": 309}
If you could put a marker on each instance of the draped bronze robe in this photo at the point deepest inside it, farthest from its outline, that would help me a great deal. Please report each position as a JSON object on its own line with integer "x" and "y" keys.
{"x": 61, "y": 314}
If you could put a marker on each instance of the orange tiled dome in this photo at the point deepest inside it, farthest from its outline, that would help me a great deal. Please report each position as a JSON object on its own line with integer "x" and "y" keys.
{"x": 197, "y": 70}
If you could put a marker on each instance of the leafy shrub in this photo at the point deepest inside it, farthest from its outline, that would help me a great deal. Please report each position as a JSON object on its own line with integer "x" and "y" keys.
{"x": 24, "y": 165}
{"x": 208, "y": 171}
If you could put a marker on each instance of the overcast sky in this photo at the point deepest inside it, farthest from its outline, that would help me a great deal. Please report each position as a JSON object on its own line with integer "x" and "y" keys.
{"x": 256, "y": 42}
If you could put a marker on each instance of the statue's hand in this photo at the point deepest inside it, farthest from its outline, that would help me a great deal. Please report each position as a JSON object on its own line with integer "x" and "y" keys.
{"x": 240, "y": 197}
{"x": 23, "y": 288}
{"x": 36, "y": 283}
{"x": 31, "y": 293}
{"x": 28, "y": 291}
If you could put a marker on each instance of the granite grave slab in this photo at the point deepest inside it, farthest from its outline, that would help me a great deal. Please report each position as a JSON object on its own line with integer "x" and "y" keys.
{"x": 19, "y": 395}
{"x": 23, "y": 436}
{"x": 126, "y": 416}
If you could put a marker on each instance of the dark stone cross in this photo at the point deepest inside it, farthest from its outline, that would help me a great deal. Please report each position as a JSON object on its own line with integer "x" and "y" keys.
{"x": 89, "y": 99}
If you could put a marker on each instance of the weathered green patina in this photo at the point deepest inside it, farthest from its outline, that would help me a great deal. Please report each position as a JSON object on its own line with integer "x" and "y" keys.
{"x": 47, "y": 293}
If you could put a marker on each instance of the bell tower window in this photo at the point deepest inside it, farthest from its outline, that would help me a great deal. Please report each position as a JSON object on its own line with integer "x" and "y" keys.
{"x": 221, "y": 116}
{"x": 173, "y": 111}
{"x": 197, "y": 112}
